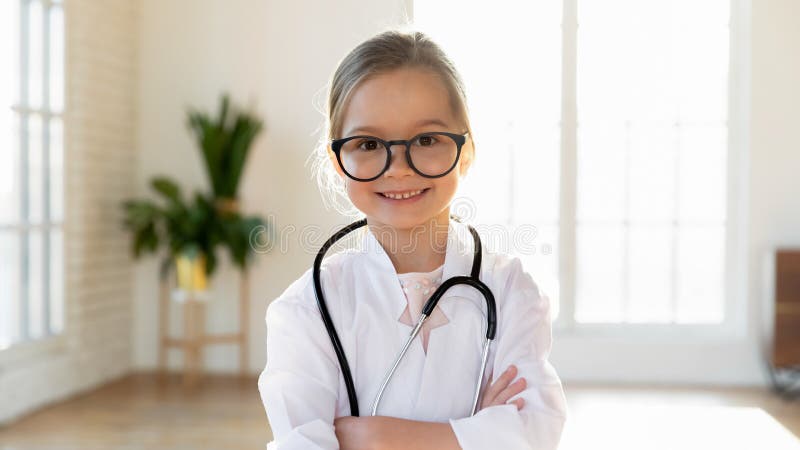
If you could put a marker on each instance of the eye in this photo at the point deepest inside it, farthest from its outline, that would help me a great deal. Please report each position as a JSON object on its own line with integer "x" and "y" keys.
{"x": 425, "y": 140}
{"x": 368, "y": 144}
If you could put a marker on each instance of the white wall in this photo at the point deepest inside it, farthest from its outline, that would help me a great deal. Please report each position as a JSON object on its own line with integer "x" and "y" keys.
{"x": 99, "y": 120}
{"x": 281, "y": 54}
{"x": 774, "y": 194}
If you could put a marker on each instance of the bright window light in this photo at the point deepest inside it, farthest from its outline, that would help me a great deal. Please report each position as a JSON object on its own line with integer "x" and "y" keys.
{"x": 509, "y": 54}
{"x": 31, "y": 170}
{"x": 647, "y": 143}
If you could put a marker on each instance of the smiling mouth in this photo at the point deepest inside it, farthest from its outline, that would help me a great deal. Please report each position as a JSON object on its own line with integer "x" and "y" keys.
{"x": 402, "y": 195}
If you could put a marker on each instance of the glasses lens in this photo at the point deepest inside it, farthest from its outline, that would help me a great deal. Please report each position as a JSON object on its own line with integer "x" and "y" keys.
{"x": 363, "y": 157}
{"x": 433, "y": 154}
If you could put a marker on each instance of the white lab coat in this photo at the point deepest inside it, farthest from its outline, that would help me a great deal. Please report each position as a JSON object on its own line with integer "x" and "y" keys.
{"x": 302, "y": 387}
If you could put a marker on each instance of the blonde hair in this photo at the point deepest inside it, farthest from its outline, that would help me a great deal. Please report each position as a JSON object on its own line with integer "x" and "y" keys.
{"x": 385, "y": 52}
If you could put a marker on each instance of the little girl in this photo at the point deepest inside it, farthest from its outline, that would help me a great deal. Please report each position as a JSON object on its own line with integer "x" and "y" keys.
{"x": 399, "y": 142}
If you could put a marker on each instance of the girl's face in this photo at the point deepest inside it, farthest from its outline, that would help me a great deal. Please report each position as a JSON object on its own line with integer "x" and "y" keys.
{"x": 399, "y": 105}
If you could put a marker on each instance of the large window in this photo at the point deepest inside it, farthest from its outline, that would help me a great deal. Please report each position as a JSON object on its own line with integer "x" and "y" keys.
{"x": 605, "y": 125}
{"x": 31, "y": 169}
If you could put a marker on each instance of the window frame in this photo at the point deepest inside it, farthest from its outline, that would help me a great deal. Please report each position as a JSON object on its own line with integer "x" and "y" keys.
{"x": 23, "y": 227}
{"x": 735, "y": 288}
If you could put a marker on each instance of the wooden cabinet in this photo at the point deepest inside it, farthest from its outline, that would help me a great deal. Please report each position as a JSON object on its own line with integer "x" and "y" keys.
{"x": 786, "y": 338}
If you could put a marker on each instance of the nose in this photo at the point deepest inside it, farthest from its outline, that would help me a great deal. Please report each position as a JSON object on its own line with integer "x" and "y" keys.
{"x": 398, "y": 166}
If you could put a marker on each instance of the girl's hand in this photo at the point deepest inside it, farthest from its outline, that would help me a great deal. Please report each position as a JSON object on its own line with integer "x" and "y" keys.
{"x": 501, "y": 390}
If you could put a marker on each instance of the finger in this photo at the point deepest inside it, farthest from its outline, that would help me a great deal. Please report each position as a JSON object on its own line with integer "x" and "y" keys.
{"x": 512, "y": 390}
{"x": 520, "y": 402}
{"x": 504, "y": 379}
{"x": 498, "y": 386}
{"x": 501, "y": 382}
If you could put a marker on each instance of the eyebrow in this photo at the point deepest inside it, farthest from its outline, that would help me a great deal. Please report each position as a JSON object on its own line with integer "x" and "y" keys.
{"x": 377, "y": 131}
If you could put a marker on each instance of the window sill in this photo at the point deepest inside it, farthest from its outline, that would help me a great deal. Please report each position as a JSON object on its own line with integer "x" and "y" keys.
{"x": 22, "y": 352}
{"x": 652, "y": 333}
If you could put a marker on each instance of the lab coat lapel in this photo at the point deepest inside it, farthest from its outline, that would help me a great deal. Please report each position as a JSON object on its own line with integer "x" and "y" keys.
{"x": 379, "y": 264}
{"x": 401, "y": 393}
{"x": 458, "y": 261}
{"x": 449, "y": 346}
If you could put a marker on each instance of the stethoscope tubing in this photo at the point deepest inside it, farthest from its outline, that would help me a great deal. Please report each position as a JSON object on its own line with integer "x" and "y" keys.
{"x": 472, "y": 280}
{"x": 326, "y": 317}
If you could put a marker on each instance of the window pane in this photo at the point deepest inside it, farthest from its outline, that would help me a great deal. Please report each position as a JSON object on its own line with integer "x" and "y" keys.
{"x": 700, "y": 52}
{"x": 535, "y": 155}
{"x": 10, "y": 292}
{"x": 35, "y": 285}
{"x": 650, "y": 273}
{"x": 703, "y": 167}
{"x": 56, "y": 59}
{"x": 56, "y": 281}
{"x": 56, "y": 170}
{"x": 35, "y": 54}
{"x": 701, "y": 259}
{"x": 651, "y": 174}
{"x": 35, "y": 169}
{"x": 599, "y": 274}
{"x": 488, "y": 205}
{"x": 652, "y": 81}
{"x": 9, "y": 53}
{"x": 9, "y": 167}
{"x": 602, "y": 160}
{"x": 652, "y": 60}
{"x": 541, "y": 260}
{"x": 28, "y": 275}
{"x": 516, "y": 122}
{"x": 514, "y": 181}
{"x": 623, "y": 61}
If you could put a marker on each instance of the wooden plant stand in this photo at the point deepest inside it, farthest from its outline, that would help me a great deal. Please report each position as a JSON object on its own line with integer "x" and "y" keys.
{"x": 194, "y": 337}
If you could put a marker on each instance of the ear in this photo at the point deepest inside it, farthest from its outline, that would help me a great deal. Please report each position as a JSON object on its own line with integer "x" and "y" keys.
{"x": 467, "y": 156}
{"x": 334, "y": 161}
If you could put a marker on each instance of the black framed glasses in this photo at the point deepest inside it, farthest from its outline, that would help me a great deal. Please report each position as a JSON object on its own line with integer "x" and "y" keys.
{"x": 431, "y": 155}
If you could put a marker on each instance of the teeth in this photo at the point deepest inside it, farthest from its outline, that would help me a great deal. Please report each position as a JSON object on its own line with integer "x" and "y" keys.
{"x": 403, "y": 195}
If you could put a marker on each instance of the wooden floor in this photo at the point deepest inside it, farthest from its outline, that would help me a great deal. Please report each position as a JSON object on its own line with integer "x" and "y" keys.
{"x": 144, "y": 412}
{"x": 141, "y": 412}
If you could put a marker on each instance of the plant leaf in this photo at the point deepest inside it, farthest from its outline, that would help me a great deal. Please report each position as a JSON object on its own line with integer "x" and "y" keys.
{"x": 167, "y": 188}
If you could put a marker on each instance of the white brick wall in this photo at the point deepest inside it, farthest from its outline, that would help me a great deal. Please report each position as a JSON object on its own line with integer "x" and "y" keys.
{"x": 101, "y": 89}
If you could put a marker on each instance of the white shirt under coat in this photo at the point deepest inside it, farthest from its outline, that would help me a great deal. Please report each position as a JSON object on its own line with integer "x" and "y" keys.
{"x": 302, "y": 387}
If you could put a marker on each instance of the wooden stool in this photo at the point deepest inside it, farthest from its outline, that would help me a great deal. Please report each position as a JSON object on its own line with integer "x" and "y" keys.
{"x": 194, "y": 335}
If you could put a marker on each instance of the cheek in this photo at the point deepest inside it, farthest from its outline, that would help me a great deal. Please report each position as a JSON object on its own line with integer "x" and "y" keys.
{"x": 358, "y": 192}
{"x": 448, "y": 186}
{"x": 465, "y": 161}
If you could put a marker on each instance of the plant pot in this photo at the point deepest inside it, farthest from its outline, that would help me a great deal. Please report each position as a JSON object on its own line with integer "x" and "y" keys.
{"x": 226, "y": 205}
{"x": 191, "y": 270}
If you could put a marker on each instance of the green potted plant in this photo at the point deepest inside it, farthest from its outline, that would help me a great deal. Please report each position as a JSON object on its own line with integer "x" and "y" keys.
{"x": 225, "y": 142}
{"x": 192, "y": 230}
{"x": 189, "y": 230}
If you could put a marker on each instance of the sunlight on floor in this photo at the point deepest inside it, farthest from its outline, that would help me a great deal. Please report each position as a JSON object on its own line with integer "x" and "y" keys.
{"x": 675, "y": 427}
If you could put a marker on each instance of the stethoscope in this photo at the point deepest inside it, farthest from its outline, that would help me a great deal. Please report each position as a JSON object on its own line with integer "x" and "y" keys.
{"x": 471, "y": 280}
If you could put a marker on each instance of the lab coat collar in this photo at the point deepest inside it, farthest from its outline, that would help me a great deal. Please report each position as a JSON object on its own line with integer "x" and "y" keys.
{"x": 458, "y": 261}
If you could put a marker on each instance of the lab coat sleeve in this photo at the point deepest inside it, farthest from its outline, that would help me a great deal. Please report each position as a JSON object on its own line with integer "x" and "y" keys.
{"x": 299, "y": 383}
{"x": 523, "y": 339}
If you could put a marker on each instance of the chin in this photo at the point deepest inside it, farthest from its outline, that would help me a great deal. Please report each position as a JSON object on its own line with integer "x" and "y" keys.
{"x": 405, "y": 221}
{"x": 399, "y": 222}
